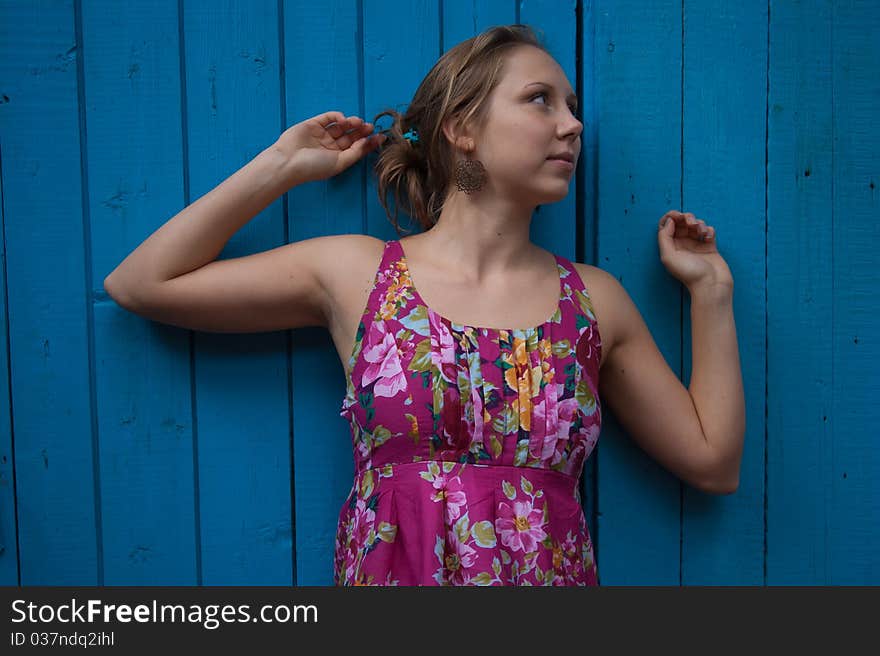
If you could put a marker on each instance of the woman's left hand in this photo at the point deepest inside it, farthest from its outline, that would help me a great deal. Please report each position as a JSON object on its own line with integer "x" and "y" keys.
{"x": 689, "y": 252}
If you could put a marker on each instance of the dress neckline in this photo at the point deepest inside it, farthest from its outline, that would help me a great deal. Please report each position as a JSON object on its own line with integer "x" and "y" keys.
{"x": 452, "y": 323}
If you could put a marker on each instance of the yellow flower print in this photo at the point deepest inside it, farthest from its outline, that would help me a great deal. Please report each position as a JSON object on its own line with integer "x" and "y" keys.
{"x": 520, "y": 355}
{"x": 545, "y": 348}
{"x": 509, "y": 373}
{"x": 386, "y": 310}
{"x": 536, "y": 373}
{"x": 525, "y": 400}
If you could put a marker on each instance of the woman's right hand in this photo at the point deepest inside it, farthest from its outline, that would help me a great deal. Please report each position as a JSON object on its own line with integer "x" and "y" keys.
{"x": 327, "y": 144}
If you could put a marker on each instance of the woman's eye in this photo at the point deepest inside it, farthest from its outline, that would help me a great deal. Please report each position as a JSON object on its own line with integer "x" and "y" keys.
{"x": 545, "y": 94}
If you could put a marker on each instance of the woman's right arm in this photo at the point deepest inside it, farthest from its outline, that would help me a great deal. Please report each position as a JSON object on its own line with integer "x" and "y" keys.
{"x": 174, "y": 277}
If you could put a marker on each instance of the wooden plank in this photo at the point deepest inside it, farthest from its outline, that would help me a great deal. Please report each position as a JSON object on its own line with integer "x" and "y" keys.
{"x": 853, "y": 501}
{"x": 638, "y": 111}
{"x": 134, "y": 152}
{"x": 463, "y": 20}
{"x": 233, "y": 112}
{"x": 799, "y": 294}
{"x": 8, "y": 525}
{"x": 553, "y": 225}
{"x": 47, "y": 279}
{"x": 725, "y": 105}
{"x": 395, "y": 63}
{"x": 326, "y": 38}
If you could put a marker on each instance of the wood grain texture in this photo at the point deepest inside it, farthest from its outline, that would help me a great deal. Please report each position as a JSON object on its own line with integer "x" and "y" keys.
{"x": 323, "y": 46}
{"x": 724, "y": 101}
{"x": 135, "y": 453}
{"x": 638, "y": 69}
{"x": 146, "y": 437}
{"x": 241, "y": 382}
{"x": 48, "y": 306}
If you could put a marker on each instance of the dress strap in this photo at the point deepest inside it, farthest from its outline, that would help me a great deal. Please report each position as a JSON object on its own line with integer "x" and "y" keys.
{"x": 381, "y": 280}
{"x": 575, "y": 289}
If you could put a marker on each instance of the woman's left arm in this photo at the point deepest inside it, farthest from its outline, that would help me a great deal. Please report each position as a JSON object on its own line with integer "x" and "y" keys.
{"x": 689, "y": 253}
{"x": 697, "y": 432}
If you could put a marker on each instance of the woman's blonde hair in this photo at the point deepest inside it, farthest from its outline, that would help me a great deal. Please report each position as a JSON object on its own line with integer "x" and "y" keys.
{"x": 457, "y": 86}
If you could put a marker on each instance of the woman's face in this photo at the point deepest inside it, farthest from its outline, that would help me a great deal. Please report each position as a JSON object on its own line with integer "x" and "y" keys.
{"x": 530, "y": 118}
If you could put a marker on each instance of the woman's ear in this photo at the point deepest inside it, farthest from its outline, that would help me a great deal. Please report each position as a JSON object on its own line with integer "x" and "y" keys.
{"x": 457, "y": 136}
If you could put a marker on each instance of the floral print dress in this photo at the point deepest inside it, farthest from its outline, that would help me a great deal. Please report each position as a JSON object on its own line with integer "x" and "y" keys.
{"x": 468, "y": 442}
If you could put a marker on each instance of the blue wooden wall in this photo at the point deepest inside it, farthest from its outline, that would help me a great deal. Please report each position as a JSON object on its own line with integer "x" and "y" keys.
{"x": 135, "y": 453}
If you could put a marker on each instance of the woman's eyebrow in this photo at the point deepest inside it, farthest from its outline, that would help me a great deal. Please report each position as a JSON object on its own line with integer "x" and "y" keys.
{"x": 571, "y": 96}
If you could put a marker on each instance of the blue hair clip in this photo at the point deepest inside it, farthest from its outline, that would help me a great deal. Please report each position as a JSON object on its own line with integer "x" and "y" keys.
{"x": 412, "y": 135}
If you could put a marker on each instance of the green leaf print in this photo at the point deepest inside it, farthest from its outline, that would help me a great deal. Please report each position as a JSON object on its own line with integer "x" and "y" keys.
{"x": 584, "y": 396}
{"x": 562, "y": 348}
{"x": 495, "y": 445}
{"x": 526, "y": 485}
{"x": 482, "y": 578}
{"x": 387, "y": 532}
{"x": 439, "y": 550}
{"x": 367, "y": 483}
{"x": 496, "y": 566}
{"x": 414, "y": 432}
{"x": 521, "y": 454}
{"x": 421, "y": 360}
{"x": 509, "y": 490}
{"x": 484, "y": 536}
{"x": 570, "y": 377}
{"x": 380, "y": 435}
{"x": 462, "y": 528}
{"x": 585, "y": 303}
{"x": 417, "y": 320}
{"x": 532, "y": 341}
{"x": 505, "y": 420}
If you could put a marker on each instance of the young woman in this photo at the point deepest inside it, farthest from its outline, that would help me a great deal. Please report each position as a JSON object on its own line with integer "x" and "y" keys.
{"x": 475, "y": 360}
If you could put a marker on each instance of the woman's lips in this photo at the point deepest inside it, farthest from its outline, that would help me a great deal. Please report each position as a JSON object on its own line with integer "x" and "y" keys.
{"x": 562, "y": 162}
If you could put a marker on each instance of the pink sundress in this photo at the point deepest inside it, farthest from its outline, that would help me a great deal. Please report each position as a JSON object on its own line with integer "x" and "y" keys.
{"x": 468, "y": 442}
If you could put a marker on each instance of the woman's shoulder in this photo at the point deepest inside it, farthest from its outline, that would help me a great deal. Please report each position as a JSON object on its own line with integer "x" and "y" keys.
{"x": 596, "y": 281}
{"x": 352, "y": 257}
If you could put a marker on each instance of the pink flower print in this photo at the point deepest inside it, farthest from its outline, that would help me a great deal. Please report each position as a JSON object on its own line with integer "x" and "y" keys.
{"x": 543, "y": 441}
{"x": 384, "y": 364}
{"x": 362, "y": 522}
{"x": 590, "y": 435}
{"x": 458, "y": 558}
{"x": 520, "y": 526}
{"x": 442, "y": 348}
{"x": 449, "y": 488}
{"x": 566, "y": 411}
{"x": 406, "y": 350}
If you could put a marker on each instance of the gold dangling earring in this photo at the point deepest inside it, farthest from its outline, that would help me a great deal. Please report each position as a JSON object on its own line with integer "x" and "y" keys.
{"x": 470, "y": 174}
